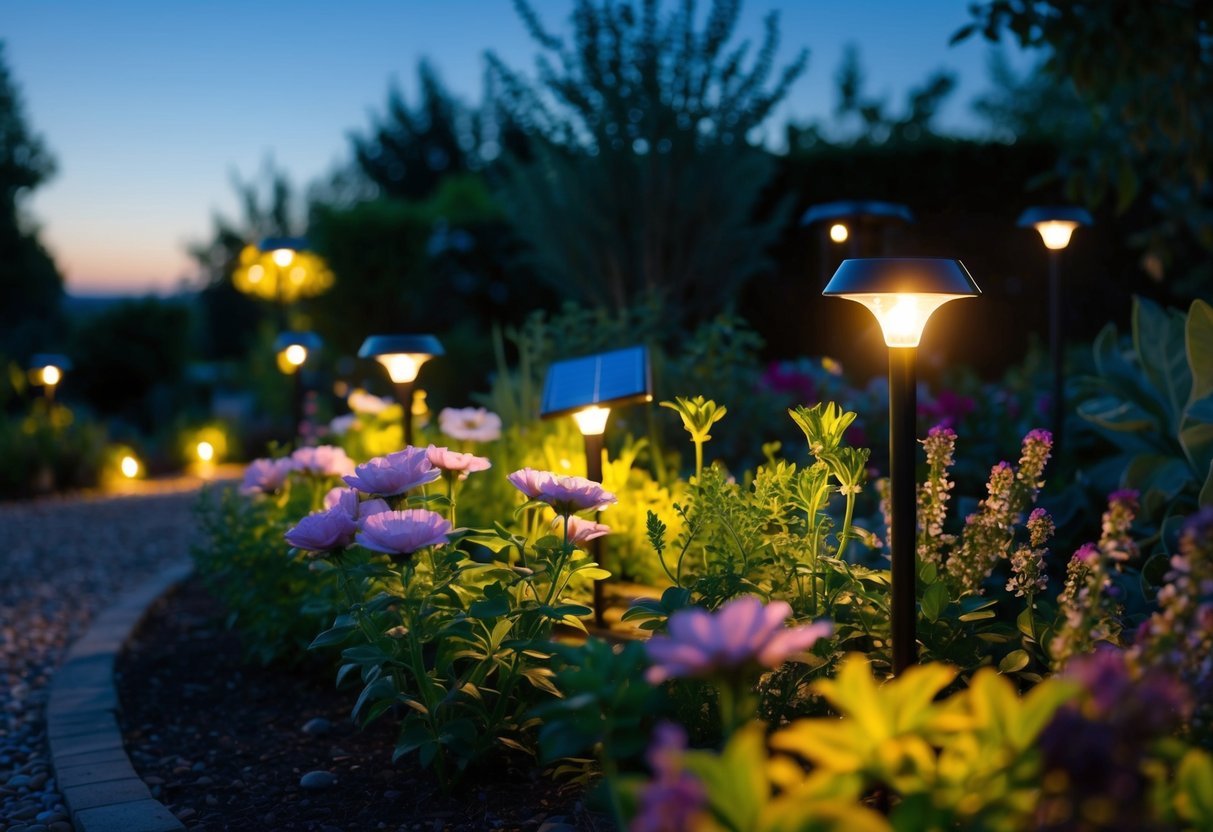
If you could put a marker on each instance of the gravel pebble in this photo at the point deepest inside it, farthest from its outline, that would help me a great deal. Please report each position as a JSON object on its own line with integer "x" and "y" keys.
{"x": 65, "y": 559}
{"x": 318, "y": 780}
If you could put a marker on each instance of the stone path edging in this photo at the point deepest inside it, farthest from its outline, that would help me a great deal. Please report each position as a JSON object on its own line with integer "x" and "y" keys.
{"x": 98, "y": 783}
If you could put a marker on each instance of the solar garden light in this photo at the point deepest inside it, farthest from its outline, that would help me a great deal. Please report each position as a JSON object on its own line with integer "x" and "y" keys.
{"x": 47, "y": 369}
{"x": 1056, "y": 224}
{"x": 902, "y": 293}
{"x": 282, "y": 252}
{"x": 403, "y": 356}
{"x": 293, "y": 350}
{"x": 587, "y": 388}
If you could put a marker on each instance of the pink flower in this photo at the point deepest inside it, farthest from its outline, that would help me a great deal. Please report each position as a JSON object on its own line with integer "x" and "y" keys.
{"x": 1086, "y": 553}
{"x": 565, "y": 494}
{"x": 744, "y": 632}
{"x": 581, "y": 530}
{"x": 322, "y": 461}
{"x": 347, "y": 499}
{"x": 403, "y": 532}
{"x": 528, "y": 480}
{"x": 473, "y": 424}
{"x": 395, "y": 473}
{"x": 361, "y": 401}
{"x": 265, "y": 476}
{"x": 454, "y": 461}
{"x": 324, "y": 531}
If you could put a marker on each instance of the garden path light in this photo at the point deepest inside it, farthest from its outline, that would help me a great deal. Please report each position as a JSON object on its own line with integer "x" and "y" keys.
{"x": 402, "y": 356}
{"x": 902, "y": 293}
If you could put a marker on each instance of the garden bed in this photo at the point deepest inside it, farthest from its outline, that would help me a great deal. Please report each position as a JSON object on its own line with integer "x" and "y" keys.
{"x": 225, "y": 744}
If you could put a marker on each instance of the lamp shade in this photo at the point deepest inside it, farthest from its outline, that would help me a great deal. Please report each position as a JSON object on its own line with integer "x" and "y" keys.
{"x": 1055, "y": 223}
{"x": 402, "y": 355}
{"x": 278, "y": 243}
{"x": 854, "y": 209}
{"x": 45, "y": 359}
{"x": 308, "y": 340}
{"x": 902, "y": 292}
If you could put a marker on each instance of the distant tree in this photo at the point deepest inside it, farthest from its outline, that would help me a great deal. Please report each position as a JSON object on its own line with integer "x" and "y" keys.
{"x": 862, "y": 121}
{"x": 31, "y": 288}
{"x": 1142, "y": 72}
{"x": 408, "y": 151}
{"x": 646, "y": 170}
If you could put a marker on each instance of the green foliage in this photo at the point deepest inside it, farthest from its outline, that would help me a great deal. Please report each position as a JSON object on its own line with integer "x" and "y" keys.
{"x": 31, "y": 288}
{"x": 644, "y": 180}
{"x": 1153, "y": 400}
{"x": 278, "y": 602}
{"x": 48, "y": 448}
{"x": 130, "y": 360}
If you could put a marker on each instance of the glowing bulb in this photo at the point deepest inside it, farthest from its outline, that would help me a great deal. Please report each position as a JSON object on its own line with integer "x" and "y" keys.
{"x": 255, "y": 273}
{"x": 592, "y": 421}
{"x": 902, "y": 317}
{"x": 402, "y": 366}
{"x": 51, "y": 375}
{"x": 205, "y": 451}
{"x": 839, "y": 232}
{"x": 1056, "y": 233}
{"x": 283, "y": 257}
{"x": 295, "y": 354}
{"x": 130, "y": 467}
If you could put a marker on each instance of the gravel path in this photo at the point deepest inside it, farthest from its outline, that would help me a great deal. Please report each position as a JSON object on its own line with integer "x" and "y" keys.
{"x": 63, "y": 560}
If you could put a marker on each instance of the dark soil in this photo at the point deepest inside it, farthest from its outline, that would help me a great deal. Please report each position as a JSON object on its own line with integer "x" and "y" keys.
{"x": 221, "y": 743}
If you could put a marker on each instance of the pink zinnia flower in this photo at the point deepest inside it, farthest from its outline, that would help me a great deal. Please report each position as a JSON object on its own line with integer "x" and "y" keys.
{"x": 454, "y": 461}
{"x": 581, "y": 530}
{"x": 323, "y": 531}
{"x": 565, "y": 494}
{"x": 474, "y": 424}
{"x": 403, "y": 532}
{"x": 323, "y": 461}
{"x": 395, "y": 473}
{"x": 528, "y": 480}
{"x": 265, "y": 476}
{"x": 744, "y": 632}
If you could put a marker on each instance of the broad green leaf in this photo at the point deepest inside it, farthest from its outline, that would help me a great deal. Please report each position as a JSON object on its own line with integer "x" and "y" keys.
{"x": 1014, "y": 661}
{"x": 1159, "y": 478}
{"x": 934, "y": 601}
{"x": 1194, "y": 781}
{"x": 1158, "y": 336}
{"x": 1114, "y": 413}
{"x": 1206, "y": 490}
{"x": 1196, "y": 433}
{"x": 1199, "y": 342}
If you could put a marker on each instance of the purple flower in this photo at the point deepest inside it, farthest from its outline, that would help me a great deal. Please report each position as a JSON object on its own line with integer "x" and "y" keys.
{"x": 744, "y": 632}
{"x": 265, "y": 476}
{"x": 675, "y": 799}
{"x": 403, "y": 532}
{"x": 453, "y": 461}
{"x": 1086, "y": 553}
{"x": 323, "y": 531}
{"x": 565, "y": 494}
{"x": 528, "y": 481}
{"x": 322, "y": 461}
{"x": 347, "y": 499}
{"x": 395, "y": 473}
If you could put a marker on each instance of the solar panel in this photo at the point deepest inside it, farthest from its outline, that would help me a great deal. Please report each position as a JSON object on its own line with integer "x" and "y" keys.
{"x": 611, "y": 378}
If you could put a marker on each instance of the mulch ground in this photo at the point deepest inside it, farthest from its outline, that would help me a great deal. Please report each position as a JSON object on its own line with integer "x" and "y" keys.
{"x": 222, "y": 743}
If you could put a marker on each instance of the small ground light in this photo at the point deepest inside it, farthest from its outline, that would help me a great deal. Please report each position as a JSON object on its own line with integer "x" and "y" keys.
{"x": 402, "y": 357}
{"x": 129, "y": 467}
{"x": 205, "y": 451}
{"x": 51, "y": 376}
{"x": 839, "y": 232}
{"x": 592, "y": 421}
{"x": 295, "y": 355}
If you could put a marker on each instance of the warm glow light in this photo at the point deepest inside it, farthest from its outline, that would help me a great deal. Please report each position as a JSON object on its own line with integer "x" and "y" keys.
{"x": 298, "y": 275}
{"x": 1056, "y": 233}
{"x": 902, "y": 317}
{"x": 295, "y": 354}
{"x": 592, "y": 421}
{"x": 51, "y": 375}
{"x": 839, "y": 232}
{"x": 255, "y": 273}
{"x": 402, "y": 366}
{"x": 206, "y": 451}
{"x": 283, "y": 257}
{"x": 130, "y": 467}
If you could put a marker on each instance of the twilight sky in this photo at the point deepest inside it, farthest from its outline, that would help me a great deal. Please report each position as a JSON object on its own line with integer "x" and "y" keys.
{"x": 151, "y": 106}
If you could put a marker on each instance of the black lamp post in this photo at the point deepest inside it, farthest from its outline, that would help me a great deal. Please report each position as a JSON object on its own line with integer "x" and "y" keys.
{"x": 403, "y": 356}
{"x": 294, "y": 349}
{"x": 587, "y": 388}
{"x": 1055, "y": 224}
{"x": 902, "y": 293}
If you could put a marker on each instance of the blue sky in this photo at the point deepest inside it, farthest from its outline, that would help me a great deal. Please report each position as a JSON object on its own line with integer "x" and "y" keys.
{"x": 151, "y": 106}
